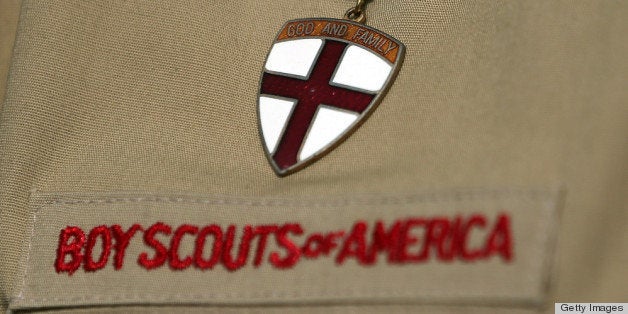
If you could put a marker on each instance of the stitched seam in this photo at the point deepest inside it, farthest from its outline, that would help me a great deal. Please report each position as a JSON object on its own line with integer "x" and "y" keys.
{"x": 457, "y": 196}
{"x": 272, "y": 296}
{"x": 27, "y": 267}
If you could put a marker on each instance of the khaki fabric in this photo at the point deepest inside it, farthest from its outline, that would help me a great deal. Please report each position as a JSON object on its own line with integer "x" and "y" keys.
{"x": 108, "y": 97}
{"x": 9, "y": 13}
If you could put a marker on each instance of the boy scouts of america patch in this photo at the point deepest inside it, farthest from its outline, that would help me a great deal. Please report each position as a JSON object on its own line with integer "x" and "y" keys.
{"x": 321, "y": 80}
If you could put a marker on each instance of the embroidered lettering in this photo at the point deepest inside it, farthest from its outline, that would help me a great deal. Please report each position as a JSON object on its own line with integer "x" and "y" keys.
{"x": 122, "y": 242}
{"x": 412, "y": 240}
{"x": 175, "y": 260}
{"x": 263, "y": 232}
{"x": 161, "y": 252}
{"x": 98, "y": 232}
{"x": 243, "y": 250}
{"x": 216, "y": 248}
{"x": 71, "y": 241}
{"x": 284, "y": 241}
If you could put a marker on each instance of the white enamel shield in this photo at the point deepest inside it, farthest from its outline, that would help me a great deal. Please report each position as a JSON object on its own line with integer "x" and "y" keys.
{"x": 321, "y": 80}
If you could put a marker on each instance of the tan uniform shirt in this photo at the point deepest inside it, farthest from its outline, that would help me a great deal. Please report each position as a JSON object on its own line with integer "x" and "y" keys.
{"x": 491, "y": 179}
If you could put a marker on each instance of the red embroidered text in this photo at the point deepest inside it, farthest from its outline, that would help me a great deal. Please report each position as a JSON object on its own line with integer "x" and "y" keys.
{"x": 404, "y": 241}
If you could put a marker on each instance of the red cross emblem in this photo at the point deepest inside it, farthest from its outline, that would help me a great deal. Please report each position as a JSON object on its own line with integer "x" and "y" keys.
{"x": 322, "y": 79}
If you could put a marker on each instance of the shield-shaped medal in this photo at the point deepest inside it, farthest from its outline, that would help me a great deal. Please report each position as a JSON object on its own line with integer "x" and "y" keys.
{"x": 321, "y": 80}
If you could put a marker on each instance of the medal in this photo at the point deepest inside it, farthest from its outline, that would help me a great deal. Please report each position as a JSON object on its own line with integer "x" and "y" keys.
{"x": 321, "y": 80}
